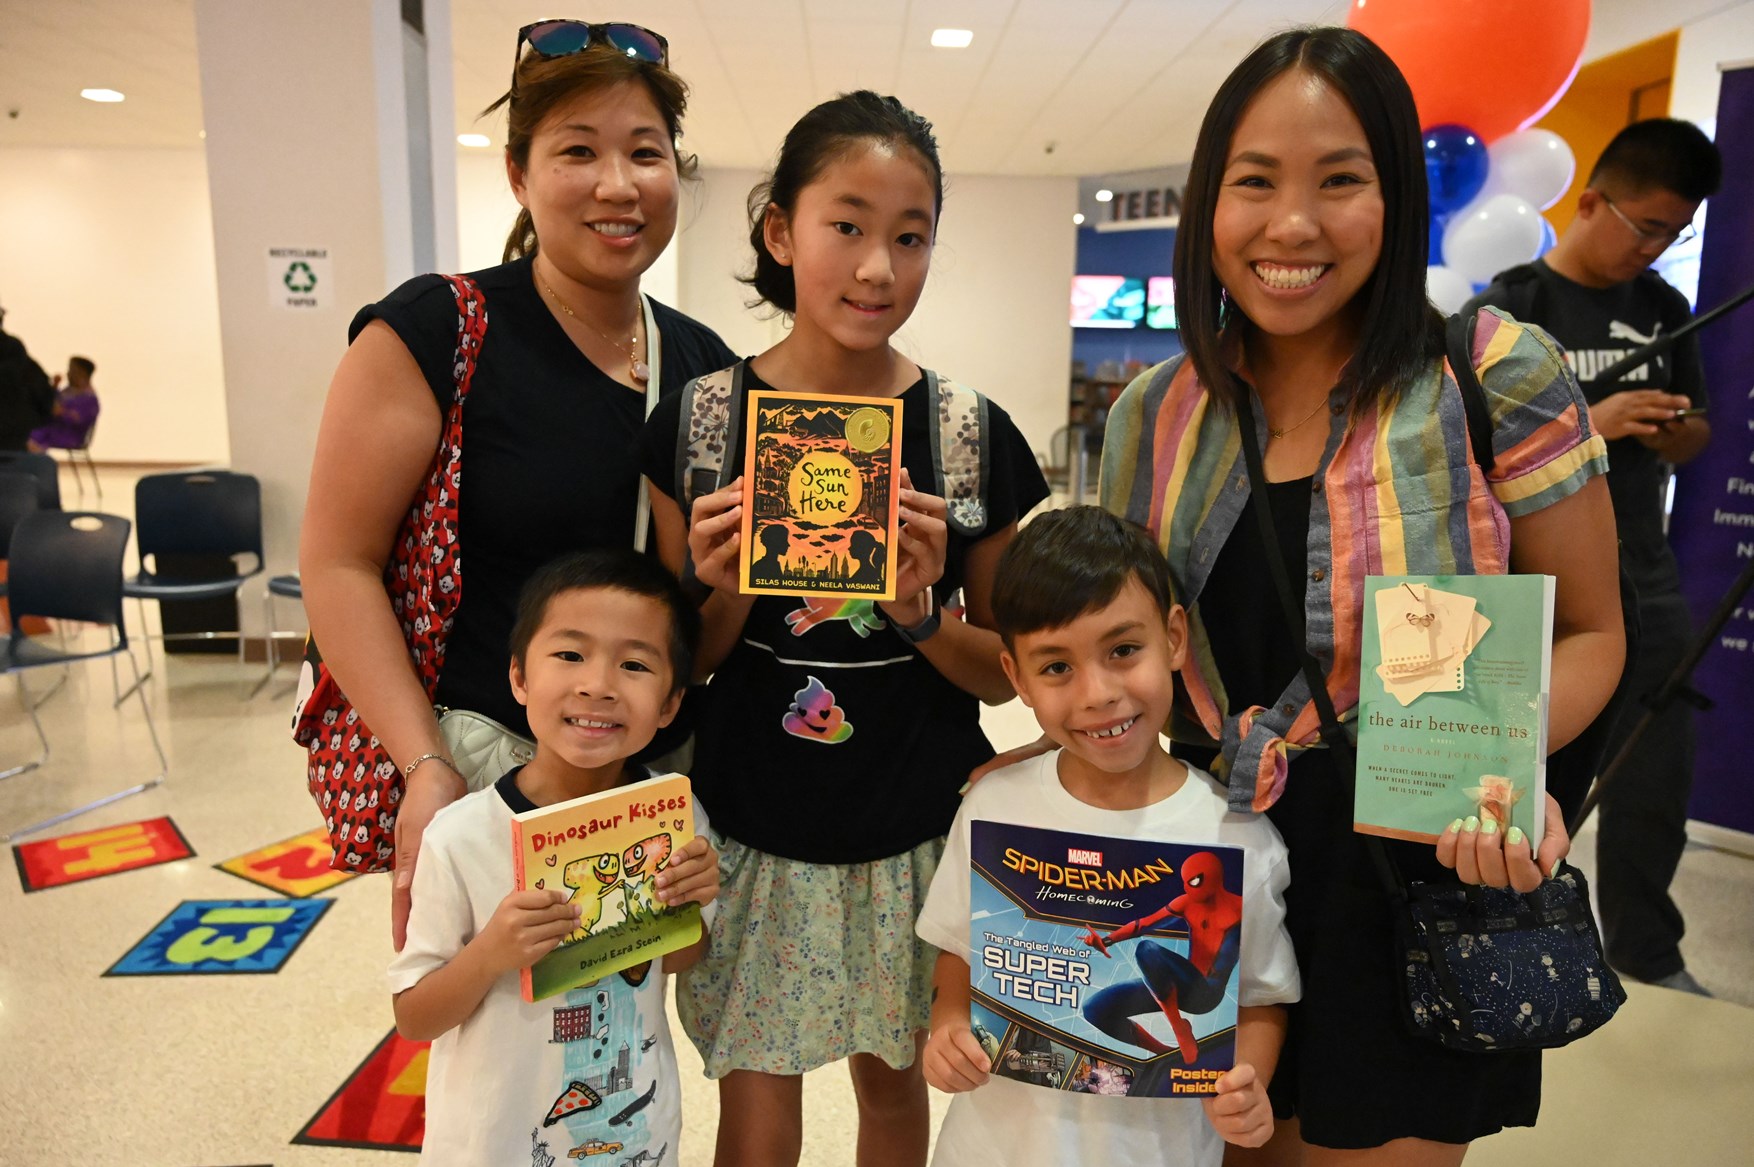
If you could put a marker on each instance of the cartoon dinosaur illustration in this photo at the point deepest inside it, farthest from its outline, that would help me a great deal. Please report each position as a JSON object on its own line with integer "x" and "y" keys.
{"x": 861, "y": 615}
{"x": 592, "y": 879}
{"x": 640, "y": 865}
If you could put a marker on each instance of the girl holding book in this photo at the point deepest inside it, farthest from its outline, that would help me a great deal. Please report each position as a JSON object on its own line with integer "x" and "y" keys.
{"x": 831, "y": 746}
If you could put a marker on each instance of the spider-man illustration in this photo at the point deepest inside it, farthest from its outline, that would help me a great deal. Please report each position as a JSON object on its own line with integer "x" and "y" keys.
{"x": 1173, "y": 983}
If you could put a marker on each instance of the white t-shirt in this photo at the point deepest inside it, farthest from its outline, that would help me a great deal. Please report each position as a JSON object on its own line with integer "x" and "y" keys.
{"x": 493, "y": 1081}
{"x": 1021, "y": 1125}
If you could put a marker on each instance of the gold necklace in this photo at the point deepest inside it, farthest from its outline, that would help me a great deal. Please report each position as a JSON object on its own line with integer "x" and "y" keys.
{"x": 1279, "y": 433}
{"x": 636, "y": 368}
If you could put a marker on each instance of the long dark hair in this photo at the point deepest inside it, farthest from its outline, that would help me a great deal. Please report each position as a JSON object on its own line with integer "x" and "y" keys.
{"x": 825, "y": 134}
{"x": 540, "y": 85}
{"x": 1401, "y": 332}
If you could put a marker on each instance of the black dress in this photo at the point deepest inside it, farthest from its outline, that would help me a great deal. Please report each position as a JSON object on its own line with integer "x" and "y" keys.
{"x": 1351, "y": 1072}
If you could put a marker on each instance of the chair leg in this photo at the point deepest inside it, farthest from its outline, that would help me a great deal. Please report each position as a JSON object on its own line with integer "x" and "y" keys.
{"x": 30, "y": 708}
{"x": 106, "y": 800}
{"x": 267, "y": 644}
{"x": 139, "y": 677}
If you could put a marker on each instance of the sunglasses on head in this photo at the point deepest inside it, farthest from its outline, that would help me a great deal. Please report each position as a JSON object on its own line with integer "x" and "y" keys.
{"x": 562, "y": 38}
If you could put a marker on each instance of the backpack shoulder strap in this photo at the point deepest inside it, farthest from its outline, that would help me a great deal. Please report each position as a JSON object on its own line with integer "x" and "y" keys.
{"x": 1458, "y": 335}
{"x": 957, "y": 426}
{"x": 704, "y": 440}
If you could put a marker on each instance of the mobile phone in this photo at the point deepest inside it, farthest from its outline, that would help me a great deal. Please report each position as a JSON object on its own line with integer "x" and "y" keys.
{"x": 1696, "y": 411}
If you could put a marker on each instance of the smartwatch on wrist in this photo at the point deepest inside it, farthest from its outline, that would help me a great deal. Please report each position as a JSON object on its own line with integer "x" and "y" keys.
{"x": 925, "y": 629}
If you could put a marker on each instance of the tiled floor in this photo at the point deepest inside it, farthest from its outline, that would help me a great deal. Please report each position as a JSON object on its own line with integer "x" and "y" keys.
{"x": 180, "y": 1071}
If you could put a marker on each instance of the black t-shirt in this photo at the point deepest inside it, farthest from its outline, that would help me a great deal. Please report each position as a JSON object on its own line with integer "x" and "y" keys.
{"x": 549, "y": 454}
{"x": 875, "y": 769}
{"x": 1596, "y": 327}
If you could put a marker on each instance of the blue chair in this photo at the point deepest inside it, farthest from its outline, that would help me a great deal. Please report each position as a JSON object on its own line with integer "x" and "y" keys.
{"x": 196, "y": 512}
{"x": 43, "y": 468}
{"x": 68, "y": 566}
{"x": 18, "y": 498}
{"x": 287, "y": 587}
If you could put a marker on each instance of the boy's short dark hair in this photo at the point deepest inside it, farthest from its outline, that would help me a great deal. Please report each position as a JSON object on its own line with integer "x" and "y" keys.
{"x": 1068, "y": 562}
{"x": 82, "y": 363}
{"x": 1665, "y": 153}
{"x": 622, "y": 569}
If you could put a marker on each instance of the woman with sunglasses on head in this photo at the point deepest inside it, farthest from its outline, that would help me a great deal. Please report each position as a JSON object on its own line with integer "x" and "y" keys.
{"x": 1300, "y": 288}
{"x": 571, "y": 361}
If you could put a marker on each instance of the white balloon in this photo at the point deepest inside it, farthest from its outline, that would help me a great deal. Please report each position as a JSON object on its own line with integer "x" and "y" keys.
{"x": 1534, "y": 164}
{"x": 1491, "y": 234}
{"x": 1447, "y": 289}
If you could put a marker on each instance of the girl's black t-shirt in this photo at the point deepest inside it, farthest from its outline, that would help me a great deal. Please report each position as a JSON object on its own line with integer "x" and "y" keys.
{"x": 550, "y": 454}
{"x": 825, "y": 737}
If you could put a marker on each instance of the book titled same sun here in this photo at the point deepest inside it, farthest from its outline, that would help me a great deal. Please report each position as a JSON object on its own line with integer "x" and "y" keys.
{"x": 606, "y": 850}
{"x": 824, "y": 474}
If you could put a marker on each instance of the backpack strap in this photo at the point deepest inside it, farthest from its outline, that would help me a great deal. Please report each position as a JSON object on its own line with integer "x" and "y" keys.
{"x": 957, "y": 427}
{"x": 1458, "y": 336}
{"x": 704, "y": 439}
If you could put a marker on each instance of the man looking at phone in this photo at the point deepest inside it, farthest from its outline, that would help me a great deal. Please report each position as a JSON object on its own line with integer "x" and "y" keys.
{"x": 1595, "y": 293}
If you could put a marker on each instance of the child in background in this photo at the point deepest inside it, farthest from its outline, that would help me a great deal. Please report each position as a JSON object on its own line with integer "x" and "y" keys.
{"x": 1092, "y": 641}
{"x": 601, "y": 652}
{"x": 833, "y": 738}
{"x": 75, "y": 411}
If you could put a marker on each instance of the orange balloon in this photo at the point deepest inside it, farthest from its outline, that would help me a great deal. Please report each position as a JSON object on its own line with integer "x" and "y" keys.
{"x": 1493, "y": 66}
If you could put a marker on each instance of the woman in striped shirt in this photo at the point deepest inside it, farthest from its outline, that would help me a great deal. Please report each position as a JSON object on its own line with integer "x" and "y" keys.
{"x": 1300, "y": 271}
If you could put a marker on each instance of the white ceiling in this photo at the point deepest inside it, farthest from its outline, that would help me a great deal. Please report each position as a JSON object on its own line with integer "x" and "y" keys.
{"x": 1074, "y": 87}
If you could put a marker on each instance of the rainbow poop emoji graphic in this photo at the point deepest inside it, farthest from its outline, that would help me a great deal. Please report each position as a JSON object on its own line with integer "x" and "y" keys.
{"x": 815, "y": 717}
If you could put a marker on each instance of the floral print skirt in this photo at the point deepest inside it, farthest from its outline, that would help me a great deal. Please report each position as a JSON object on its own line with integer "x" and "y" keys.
{"x": 811, "y": 962}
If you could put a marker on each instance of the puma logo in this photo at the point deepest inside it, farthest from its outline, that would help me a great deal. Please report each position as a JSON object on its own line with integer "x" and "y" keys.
{"x": 1619, "y": 331}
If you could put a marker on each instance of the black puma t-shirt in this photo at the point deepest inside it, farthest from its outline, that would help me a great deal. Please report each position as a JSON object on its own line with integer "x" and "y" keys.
{"x": 1597, "y": 327}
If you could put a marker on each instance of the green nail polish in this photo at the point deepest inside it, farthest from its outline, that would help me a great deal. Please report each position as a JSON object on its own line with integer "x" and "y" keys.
{"x": 1515, "y": 837}
{"x": 1470, "y": 825}
{"x": 1489, "y": 827}
{"x": 1454, "y": 827}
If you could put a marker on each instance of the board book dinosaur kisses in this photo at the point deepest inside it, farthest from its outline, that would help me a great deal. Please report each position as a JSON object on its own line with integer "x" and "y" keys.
{"x": 1104, "y": 965}
{"x": 606, "y": 850}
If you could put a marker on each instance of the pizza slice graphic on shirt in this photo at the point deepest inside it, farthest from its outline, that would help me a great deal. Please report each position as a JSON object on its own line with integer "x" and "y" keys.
{"x": 576, "y": 1099}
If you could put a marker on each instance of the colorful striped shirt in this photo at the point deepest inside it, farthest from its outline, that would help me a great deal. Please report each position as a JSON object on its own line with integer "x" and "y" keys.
{"x": 1397, "y": 491}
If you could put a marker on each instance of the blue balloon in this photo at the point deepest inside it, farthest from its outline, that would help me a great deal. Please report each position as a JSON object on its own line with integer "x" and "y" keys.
{"x": 1434, "y": 253}
{"x": 1548, "y": 237}
{"x": 1455, "y": 166}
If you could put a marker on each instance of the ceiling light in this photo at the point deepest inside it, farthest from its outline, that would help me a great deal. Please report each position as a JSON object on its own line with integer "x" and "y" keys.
{"x": 100, "y": 95}
{"x": 1104, "y": 195}
{"x": 951, "y": 38}
{"x": 476, "y": 140}
{"x": 1078, "y": 218}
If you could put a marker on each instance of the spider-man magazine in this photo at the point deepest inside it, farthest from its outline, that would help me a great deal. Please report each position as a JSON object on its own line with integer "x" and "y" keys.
{"x": 1104, "y": 965}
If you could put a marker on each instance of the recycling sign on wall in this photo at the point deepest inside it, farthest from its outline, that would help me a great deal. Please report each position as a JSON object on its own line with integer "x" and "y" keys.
{"x": 299, "y": 277}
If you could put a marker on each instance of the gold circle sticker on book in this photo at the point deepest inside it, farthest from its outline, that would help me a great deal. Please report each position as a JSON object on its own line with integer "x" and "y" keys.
{"x": 867, "y": 429}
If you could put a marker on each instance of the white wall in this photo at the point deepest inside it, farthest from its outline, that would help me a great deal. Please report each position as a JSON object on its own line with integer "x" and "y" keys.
{"x": 108, "y": 253}
{"x": 1726, "y": 36}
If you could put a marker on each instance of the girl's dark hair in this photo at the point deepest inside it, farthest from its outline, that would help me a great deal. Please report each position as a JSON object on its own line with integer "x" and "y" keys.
{"x": 540, "y": 85}
{"x": 620, "y": 569}
{"x": 1067, "y": 562}
{"x": 1401, "y": 331}
{"x": 827, "y": 134}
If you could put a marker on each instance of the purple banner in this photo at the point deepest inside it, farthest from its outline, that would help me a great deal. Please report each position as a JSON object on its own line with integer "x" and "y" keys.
{"x": 1712, "y": 528}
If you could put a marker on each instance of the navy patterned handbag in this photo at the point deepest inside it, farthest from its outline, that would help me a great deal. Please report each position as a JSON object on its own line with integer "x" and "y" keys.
{"x": 1488, "y": 968}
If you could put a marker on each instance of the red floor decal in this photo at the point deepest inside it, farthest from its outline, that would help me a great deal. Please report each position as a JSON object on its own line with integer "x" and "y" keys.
{"x": 296, "y": 867}
{"x": 90, "y": 854}
{"x": 381, "y": 1107}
